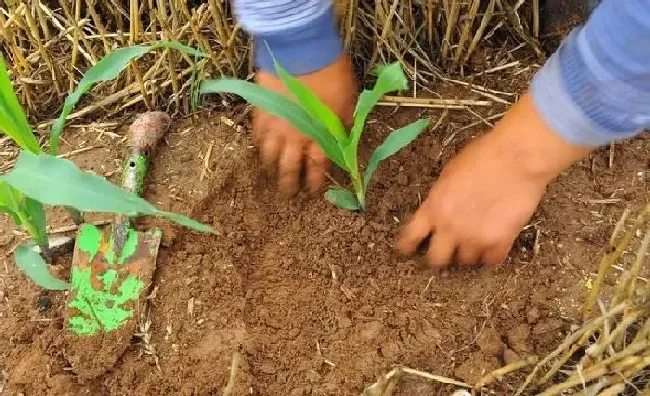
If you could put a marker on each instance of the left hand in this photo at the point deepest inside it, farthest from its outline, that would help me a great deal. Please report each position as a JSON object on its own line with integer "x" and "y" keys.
{"x": 486, "y": 194}
{"x": 287, "y": 151}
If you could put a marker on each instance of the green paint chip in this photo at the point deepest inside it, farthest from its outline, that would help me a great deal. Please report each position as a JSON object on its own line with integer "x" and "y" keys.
{"x": 108, "y": 278}
{"x": 89, "y": 240}
{"x": 101, "y": 310}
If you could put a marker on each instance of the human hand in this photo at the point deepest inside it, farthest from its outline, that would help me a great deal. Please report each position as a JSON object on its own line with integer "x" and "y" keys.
{"x": 287, "y": 152}
{"x": 487, "y": 193}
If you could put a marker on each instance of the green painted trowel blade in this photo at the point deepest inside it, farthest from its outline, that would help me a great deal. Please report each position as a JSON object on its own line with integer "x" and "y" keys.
{"x": 108, "y": 285}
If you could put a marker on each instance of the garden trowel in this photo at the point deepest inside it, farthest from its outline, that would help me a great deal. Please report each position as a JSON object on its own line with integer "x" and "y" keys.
{"x": 112, "y": 267}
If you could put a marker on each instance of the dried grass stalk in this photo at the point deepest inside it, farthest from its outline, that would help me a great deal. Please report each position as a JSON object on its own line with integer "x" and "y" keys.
{"x": 615, "y": 345}
{"x": 50, "y": 43}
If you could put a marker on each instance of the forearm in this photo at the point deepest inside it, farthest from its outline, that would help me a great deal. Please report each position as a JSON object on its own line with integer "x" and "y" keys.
{"x": 596, "y": 88}
{"x": 301, "y": 34}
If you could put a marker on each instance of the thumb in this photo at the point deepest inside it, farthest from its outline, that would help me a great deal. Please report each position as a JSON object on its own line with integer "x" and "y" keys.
{"x": 416, "y": 230}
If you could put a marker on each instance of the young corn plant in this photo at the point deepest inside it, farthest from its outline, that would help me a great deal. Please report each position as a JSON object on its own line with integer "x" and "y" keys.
{"x": 308, "y": 114}
{"x": 40, "y": 179}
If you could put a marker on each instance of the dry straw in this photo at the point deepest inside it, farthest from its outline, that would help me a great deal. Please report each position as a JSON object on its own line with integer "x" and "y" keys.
{"x": 50, "y": 43}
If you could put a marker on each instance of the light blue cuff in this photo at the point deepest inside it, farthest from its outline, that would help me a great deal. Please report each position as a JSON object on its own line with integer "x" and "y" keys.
{"x": 554, "y": 101}
{"x": 301, "y": 50}
{"x": 595, "y": 89}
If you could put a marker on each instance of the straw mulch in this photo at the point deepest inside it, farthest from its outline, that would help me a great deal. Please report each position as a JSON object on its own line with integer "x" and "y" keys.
{"x": 50, "y": 43}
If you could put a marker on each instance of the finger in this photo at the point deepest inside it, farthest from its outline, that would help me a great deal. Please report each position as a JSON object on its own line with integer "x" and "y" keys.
{"x": 289, "y": 168}
{"x": 495, "y": 255}
{"x": 258, "y": 128}
{"x": 316, "y": 165}
{"x": 441, "y": 250}
{"x": 415, "y": 231}
{"x": 270, "y": 152}
{"x": 468, "y": 254}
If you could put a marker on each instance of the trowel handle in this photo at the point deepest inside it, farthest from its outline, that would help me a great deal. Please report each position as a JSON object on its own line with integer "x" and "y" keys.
{"x": 143, "y": 137}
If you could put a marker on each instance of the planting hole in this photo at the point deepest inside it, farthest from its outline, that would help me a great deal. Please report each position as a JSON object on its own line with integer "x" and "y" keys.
{"x": 132, "y": 164}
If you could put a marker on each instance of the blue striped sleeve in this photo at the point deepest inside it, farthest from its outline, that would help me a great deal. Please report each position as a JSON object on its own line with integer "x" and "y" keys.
{"x": 595, "y": 89}
{"x": 302, "y": 34}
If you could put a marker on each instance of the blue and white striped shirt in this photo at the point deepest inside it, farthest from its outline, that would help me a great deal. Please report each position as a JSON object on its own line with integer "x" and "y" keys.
{"x": 594, "y": 90}
{"x": 268, "y": 17}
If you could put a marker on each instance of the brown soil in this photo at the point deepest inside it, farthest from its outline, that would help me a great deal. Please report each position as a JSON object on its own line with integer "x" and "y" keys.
{"x": 313, "y": 299}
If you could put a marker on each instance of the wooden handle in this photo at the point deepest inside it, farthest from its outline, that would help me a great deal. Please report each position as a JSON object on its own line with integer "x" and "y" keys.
{"x": 146, "y": 131}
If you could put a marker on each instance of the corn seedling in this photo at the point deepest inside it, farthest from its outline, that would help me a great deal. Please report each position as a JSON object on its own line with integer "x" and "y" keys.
{"x": 108, "y": 68}
{"x": 24, "y": 211}
{"x": 39, "y": 179}
{"x": 309, "y": 115}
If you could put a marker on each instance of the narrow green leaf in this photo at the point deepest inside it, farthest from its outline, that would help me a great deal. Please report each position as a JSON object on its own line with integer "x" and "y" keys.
{"x": 351, "y": 160}
{"x": 342, "y": 198}
{"x": 56, "y": 181}
{"x": 391, "y": 78}
{"x": 178, "y": 47}
{"x": 107, "y": 69}
{"x": 10, "y": 202}
{"x": 36, "y": 268}
{"x": 36, "y": 214}
{"x": 279, "y": 106}
{"x": 24, "y": 211}
{"x": 14, "y": 216}
{"x": 13, "y": 121}
{"x": 9, "y": 197}
{"x": 397, "y": 140}
{"x": 312, "y": 104}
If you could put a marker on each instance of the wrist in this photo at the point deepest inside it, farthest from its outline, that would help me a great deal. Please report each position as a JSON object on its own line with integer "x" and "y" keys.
{"x": 301, "y": 50}
{"x": 532, "y": 145}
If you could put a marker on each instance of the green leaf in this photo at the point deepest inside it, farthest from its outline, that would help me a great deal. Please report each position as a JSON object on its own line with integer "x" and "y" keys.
{"x": 397, "y": 140}
{"x": 342, "y": 198}
{"x": 10, "y": 202}
{"x": 57, "y": 181}
{"x": 14, "y": 216}
{"x": 24, "y": 211}
{"x": 312, "y": 104}
{"x": 36, "y": 214}
{"x": 13, "y": 121}
{"x": 107, "y": 69}
{"x": 279, "y": 106}
{"x": 391, "y": 78}
{"x": 37, "y": 269}
{"x": 178, "y": 47}
{"x": 9, "y": 197}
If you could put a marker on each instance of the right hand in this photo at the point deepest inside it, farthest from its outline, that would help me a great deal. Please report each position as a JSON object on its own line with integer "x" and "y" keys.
{"x": 287, "y": 152}
{"x": 486, "y": 194}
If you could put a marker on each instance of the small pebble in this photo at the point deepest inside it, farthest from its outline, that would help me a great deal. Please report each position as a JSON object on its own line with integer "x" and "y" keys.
{"x": 533, "y": 315}
{"x": 150, "y": 360}
{"x": 510, "y": 356}
{"x": 44, "y": 303}
{"x": 402, "y": 180}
